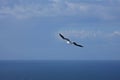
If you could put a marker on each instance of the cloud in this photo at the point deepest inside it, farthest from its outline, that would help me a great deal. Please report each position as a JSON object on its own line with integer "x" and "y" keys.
{"x": 90, "y": 34}
{"x": 115, "y": 33}
{"x": 100, "y": 10}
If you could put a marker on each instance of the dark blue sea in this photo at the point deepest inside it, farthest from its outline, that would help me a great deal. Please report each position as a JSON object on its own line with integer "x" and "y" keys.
{"x": 60, "y": 70}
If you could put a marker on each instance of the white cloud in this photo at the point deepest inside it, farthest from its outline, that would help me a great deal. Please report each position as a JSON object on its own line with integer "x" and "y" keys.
{"x": 85, "y": 34}
{"x": 115, "y": 33}
{"x": 62, "y": 8}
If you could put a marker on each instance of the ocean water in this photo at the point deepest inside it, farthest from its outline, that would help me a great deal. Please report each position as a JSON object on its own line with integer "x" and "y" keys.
{"x": 60, "y": 70}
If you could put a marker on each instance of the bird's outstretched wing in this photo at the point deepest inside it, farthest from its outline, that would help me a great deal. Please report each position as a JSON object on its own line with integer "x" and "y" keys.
{"x": 61, "y": 36}
{"x": 64, "y": 37}
{"x": 77, "y": 44}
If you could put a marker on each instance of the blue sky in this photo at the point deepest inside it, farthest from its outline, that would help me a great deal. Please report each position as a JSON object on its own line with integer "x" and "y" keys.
{"x": 29, "y": 29}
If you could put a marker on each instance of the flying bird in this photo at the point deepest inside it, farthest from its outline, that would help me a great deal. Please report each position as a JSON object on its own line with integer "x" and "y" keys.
{"x": 68, "y": 40}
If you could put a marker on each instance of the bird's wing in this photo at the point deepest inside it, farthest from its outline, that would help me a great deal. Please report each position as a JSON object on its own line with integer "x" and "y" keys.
{"x": 61, "y": 36}
{"x": 77, "y": 44}
{"x": 64, "y": 37}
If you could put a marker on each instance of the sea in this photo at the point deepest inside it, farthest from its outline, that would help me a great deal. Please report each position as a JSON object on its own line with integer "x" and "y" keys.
{"x": 60, "y": 70}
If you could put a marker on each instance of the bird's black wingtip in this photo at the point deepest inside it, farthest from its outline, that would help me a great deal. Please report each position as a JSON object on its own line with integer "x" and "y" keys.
{"x": 81, "y": 46}
{"x": 59, "y": 33}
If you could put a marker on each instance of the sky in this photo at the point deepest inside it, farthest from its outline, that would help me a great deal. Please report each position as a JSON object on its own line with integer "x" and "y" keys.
{"x": 29, "y": 29}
